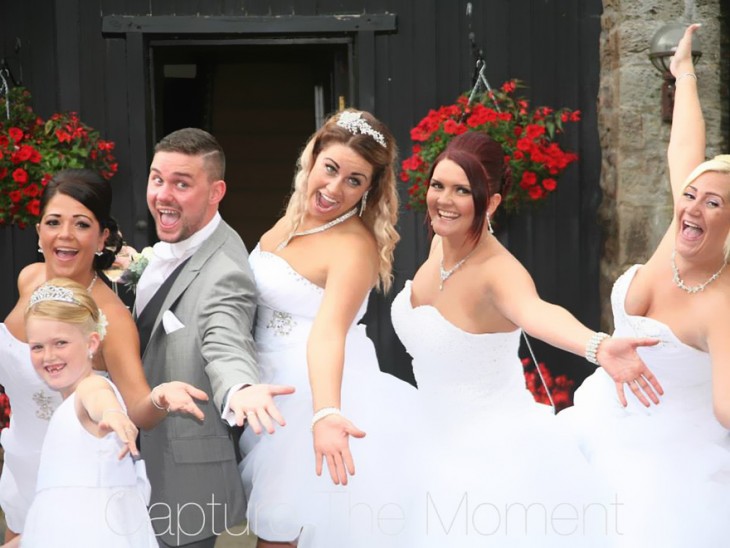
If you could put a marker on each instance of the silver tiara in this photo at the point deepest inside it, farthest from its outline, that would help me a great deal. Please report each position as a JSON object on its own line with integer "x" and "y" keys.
{"x": 353, "y": 123}
{"x": 48, "y": 292}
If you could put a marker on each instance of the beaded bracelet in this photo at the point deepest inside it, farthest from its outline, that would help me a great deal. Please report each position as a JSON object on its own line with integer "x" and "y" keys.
{"x": 592, "y": 346}
{"x": 157, "y": 405}
{"x": 685, "y": 75}
{"x": 324, "y": 412}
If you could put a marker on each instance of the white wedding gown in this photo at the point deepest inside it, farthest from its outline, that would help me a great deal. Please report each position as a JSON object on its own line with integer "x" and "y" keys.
{"x": 670, "y": 463}
{"x": 495, "y": 470}
{"x": 286, "y": 498}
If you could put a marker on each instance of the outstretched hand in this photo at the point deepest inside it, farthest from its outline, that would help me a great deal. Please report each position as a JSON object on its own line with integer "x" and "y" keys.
{"x": 681, "y": 61}
{"x": 255, "y": 403}
{"x": 618, "y": 357}
{"x": 331, "y": 443}
{"x": 117, "y": 421}
{"x": 179, "y": 397}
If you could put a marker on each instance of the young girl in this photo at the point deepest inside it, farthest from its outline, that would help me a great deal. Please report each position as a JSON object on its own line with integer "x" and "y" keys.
{"x": 90, "y": 490}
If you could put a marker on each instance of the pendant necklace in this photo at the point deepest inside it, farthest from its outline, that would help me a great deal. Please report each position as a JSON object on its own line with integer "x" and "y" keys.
{"x": 679, "y": 282}
{"x": 341, "y": 219}
{"x": 446, "y": 274}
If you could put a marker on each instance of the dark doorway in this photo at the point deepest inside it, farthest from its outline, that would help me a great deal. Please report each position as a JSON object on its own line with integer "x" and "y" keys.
{"x": 262, "y": 102}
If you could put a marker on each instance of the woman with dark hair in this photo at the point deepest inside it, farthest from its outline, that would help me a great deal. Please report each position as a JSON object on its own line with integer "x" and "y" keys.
{"x": 314, "y": 270}
{"x": 461, "y": 320}
{"x": 78, "y": 238}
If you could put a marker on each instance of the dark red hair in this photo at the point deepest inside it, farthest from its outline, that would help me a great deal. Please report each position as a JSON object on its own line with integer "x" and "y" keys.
{"x": 482, "y": 159}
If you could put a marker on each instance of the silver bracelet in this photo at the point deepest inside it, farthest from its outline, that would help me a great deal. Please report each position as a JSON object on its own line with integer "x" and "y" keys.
{"x": 157, "y": 405}
{"x": 324, "y": 412}
{"x": 685, "y": 75}
{"x": 592, "y": 347}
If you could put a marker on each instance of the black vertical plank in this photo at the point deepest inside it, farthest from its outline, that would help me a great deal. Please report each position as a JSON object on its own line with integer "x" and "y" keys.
{"x": 68, "y": 51}
{"x": 365, "y": 59}
{"x": 138, "y": 120}
{"x": 117, "y": 116}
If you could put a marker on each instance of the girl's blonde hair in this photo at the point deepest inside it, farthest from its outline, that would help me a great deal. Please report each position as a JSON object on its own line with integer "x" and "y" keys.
{"x": 65, "y": 301}
{"x": 381, "y": 211}
{"x": 720, "y": 164}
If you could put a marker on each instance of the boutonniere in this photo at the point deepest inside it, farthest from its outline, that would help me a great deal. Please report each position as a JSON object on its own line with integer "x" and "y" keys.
{"x": 139, "y": 261}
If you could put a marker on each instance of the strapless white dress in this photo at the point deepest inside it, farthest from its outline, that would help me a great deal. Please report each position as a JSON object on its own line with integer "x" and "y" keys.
{"x": 669, "y": 464}
{"x": 495, "y": 471}
{"x": 33, "y": 404}
{"x": 285, "y": 496}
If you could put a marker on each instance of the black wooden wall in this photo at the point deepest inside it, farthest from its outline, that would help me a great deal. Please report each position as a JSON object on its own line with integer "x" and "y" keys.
{"x": 68, "y": 63}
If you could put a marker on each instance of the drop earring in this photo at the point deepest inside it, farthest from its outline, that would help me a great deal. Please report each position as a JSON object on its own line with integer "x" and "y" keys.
{"x": 363, "y": 202}
{"x": 489, "y": 225}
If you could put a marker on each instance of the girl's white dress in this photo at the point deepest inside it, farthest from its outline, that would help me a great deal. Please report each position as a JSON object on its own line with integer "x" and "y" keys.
{"x": 669, "y": 464}
{"x": 86, "y": 496}
{"x": 495, "y": 469}
{"x": 286, "y": 498}
{"x": 33, "y": 404}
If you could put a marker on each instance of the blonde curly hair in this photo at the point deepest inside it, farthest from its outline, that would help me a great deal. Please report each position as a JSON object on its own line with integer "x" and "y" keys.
{"x": 381, "y": 212}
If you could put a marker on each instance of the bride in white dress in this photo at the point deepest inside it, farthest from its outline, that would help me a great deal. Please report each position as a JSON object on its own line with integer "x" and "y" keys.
{"x": 498, "y": 472}
{"x": 670, "y": 464}
{"x": 314, "y": 270}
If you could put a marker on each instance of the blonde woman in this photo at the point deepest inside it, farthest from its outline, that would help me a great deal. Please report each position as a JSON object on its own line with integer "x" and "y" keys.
{"x": 314, "y": 270}
{"x": 670, "y": 465}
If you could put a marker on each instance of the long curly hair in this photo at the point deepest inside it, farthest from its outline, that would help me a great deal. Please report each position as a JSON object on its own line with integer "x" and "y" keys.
{"x": 381, "y": 212}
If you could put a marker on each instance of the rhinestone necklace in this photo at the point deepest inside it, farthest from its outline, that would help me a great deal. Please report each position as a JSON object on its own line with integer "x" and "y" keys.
{"x": 679, "y": 282}
{"x": 341, "y": 219}
{"x": 446, "y": 274}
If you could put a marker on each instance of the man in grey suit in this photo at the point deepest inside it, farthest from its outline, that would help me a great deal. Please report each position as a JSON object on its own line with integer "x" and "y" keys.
{"x": 194, "y": 307}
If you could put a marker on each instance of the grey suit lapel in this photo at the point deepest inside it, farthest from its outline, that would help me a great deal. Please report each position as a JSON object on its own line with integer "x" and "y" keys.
{"x": 190, "y": 271}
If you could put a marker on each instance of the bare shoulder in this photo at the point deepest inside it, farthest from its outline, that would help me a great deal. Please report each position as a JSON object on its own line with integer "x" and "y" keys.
{"x": 110, "y": 303}
{"x": 31, "y": 277}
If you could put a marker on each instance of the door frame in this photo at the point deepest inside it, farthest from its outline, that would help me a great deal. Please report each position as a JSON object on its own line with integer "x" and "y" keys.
{"x": 141, "y": 32}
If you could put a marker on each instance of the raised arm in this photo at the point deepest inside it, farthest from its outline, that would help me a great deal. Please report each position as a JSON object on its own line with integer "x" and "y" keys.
{"x": 687, "y": 139}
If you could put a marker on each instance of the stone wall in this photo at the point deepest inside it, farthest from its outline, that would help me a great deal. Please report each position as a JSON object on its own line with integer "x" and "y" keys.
{"x": 637, "y": 206}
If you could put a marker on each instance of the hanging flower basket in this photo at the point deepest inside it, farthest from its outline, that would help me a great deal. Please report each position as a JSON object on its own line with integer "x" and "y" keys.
{"x": 32, "y": 150}
{"x": 528, "y": 137}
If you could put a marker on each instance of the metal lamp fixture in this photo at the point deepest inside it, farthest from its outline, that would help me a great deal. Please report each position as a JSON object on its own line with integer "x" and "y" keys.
{"x": 663, "y": 44}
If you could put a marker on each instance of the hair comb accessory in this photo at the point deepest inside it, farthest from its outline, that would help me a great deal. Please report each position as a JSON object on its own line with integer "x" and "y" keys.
{"x": 353, "y": 122}
{"x": 48, "y": 292}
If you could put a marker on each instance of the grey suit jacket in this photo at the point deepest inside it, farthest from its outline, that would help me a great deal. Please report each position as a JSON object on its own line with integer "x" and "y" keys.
{"x": 196, "y": 486}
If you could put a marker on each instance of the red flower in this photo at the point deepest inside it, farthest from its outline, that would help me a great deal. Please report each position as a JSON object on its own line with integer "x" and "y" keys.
{"x": 549, "y": 184}
{"x": 452, "y": 127}
{"x": 15, "y": 196}
{"x": 536, "y": 192}
{"x": 20, "y": 176}
{"x": 32, "y": 190}
{"x": 528, "y": 179}
{"x": 534, "y": 131}
{"x": 509, "y": 86}
{"x": 15, "y": 134}
{"x": 34, "y": 207}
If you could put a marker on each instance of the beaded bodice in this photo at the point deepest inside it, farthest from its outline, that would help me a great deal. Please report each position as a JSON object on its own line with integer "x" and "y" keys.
{"x": 462, "y": 370}
{"x": 287, "y": 302}
{"x": 32, "y": 401}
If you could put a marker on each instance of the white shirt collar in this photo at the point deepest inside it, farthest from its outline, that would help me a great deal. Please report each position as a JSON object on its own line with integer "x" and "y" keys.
{"x": 180, "y": 250}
